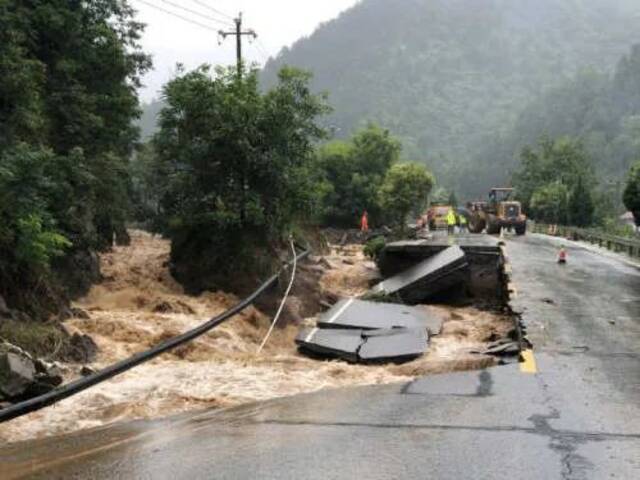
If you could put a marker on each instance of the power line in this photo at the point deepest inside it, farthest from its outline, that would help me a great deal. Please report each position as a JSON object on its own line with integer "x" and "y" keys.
{"x": 263, "y": 50}
{"x": 195, "y": 12}
{"x": 177, "y": 15}
{"x": 209, "y": 7}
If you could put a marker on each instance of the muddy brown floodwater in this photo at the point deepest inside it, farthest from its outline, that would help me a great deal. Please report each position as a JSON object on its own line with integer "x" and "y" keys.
{"x": 138, "y": 305}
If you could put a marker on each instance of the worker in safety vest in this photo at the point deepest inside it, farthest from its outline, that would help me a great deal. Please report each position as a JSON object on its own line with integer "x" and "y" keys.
{"x": 463, "y": 223}
{"x": 451, "y": 221}
{"x": 364, "y": 222}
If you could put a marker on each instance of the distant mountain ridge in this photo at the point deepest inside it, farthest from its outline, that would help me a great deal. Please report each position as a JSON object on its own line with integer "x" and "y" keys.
{"x": 450, "y": 76}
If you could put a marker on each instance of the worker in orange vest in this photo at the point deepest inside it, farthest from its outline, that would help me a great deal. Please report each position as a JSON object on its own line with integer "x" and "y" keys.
{"x": 364, "y": 222}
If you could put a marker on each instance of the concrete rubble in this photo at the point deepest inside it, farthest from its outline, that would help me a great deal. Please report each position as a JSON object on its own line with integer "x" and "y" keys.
{"x": 442, "y": 271}
{"x": 361, "y": 331}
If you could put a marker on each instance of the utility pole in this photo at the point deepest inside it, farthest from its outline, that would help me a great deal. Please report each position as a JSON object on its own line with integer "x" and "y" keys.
{"x": 238, "y": 33}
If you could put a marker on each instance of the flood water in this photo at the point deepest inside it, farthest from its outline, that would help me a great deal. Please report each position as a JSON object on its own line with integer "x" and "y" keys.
{"x": 139, "y": 305}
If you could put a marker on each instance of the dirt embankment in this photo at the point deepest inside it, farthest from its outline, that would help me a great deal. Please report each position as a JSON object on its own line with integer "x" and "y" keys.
{"x": 139, "y": 305}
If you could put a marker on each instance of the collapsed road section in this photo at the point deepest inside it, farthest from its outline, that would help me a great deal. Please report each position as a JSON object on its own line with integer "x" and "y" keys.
{"x": 361, "y": 331}
{"x": 382, "y": 327}
{"x": 442, "y": 271}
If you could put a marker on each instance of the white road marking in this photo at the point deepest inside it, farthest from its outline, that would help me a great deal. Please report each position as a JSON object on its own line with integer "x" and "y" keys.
{"x": 311, "y": 334}
{"x": 341, "y": 311}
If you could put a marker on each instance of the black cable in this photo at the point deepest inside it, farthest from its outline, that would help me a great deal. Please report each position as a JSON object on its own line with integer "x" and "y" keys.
{"x": 195, "y": 12}
{"x": 209, "y": 7}
{"x": 122, "y": 366}
{"x": 177, "y": 15}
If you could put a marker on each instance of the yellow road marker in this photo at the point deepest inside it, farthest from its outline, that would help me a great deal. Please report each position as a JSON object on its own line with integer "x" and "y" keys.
{"x": 529, "y": 363}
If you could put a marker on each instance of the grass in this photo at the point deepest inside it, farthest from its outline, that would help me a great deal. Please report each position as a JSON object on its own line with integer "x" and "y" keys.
{"x": 39, "y": 339}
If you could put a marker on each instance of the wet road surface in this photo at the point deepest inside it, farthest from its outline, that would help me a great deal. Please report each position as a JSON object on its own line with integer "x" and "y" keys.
{"x": 576, "y": 417}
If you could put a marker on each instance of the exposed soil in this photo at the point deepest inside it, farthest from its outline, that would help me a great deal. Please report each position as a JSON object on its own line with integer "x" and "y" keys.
{"x": 139, "y": 304}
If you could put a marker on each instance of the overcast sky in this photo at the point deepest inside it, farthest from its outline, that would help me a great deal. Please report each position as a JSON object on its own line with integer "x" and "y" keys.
{"x": 170, "y": 39}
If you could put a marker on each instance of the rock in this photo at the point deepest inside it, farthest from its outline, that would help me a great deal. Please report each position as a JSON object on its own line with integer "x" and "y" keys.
{"x": 348, "y": 261}
{"x": 82, "y": 348}
{"x": 4, "y": 405}
{"x": 78, "y": 312}
{"x": 86, "y": 371}
{"x": 37, "y": 388}
{"x": 326, "y": 263}
{"x": 4, "y": 310}
{"x": 64, "y": 314}
{"x": 291, "y": 313}
{"x": 17, "y": 371}
{"x": 48, "y": 373}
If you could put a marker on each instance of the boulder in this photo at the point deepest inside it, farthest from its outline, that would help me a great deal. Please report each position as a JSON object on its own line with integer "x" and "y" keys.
{"x": 4, "y": 310}
{"x": 48, "y": 373}
{"x": 17, "y": 371}
{"x": 78, "y": 312}
{"x": 82, "y": 348}
{"x": 85, "y": 371}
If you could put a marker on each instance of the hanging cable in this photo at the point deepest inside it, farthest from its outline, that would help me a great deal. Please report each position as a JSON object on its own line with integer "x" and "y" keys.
{"x": 284, "y": 299}
{"x": 195, "y": 12}
{"x": 177, "y": 15}
{"x": 209, "y": 7}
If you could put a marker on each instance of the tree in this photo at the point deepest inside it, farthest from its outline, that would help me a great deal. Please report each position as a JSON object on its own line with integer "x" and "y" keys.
{"x": 549, "y": 203}
{"x": 556, "y": 163}
{"x": 581, "y": 206}
{"x": 237, "y": 169}
{"x": 631, "y": 195}
{"x": 353, "y": 173}
{"x": 405, "y": 189}
{"x": 68, "y": 78}
{"x": 453, "y": 200}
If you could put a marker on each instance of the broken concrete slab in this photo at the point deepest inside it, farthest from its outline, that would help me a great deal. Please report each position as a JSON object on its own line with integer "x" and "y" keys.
{"x": 337, "y": 343}
{"x": 398, "y": 256}
{"x": 395, "y": 344}
{"x": 435, "y": 274}
{"x": 359, "y": 314}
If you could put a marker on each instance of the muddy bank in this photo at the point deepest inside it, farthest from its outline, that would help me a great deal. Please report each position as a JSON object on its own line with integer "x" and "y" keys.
{"x": 139, "y": 304}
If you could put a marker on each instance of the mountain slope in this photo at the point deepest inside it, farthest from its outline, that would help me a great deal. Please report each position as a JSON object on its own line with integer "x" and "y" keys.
{"x": 450, "y": 76}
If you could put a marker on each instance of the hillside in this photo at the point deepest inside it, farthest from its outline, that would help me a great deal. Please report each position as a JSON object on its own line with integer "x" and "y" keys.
{"x": 452, "y": 76}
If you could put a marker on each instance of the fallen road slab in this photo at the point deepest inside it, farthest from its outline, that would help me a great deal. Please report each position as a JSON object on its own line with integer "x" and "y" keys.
{"x": 363, "y": 346}
{"x": 433, "y": 275}
{"x": 397, "y": 344}
{"x": 360, "y": 314}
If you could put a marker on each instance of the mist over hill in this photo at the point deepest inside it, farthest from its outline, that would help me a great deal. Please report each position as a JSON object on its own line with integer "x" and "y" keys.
{"x": 453, "y": 76}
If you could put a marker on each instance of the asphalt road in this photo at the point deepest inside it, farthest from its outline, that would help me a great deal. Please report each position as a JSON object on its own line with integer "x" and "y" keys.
{"x": 577, "y": 416}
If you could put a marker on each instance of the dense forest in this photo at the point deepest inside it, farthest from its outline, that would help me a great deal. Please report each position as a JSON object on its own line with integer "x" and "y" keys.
{"x": 601, "y": 110}
{"x": 451, "y": 77}
{"x": 69, "y": 72}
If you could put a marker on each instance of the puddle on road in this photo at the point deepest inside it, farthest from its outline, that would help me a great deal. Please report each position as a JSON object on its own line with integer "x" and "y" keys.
{"x": 139, "y": 305}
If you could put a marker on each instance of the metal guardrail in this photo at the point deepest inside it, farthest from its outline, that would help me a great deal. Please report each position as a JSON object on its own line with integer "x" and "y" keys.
{"x": 614, "y": 243}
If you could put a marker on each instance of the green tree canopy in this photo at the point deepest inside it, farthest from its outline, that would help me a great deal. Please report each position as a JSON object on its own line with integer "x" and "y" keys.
{"x": 581, "y": 207}
{"x": 68, "y": 78}
{"x": 631, "y": 196}
{"x": 237, "y": 166}
{"x": 549, "y": 203}
{"x": 405, "y": 190}
{"x": 353, "y": 173}
{"x": 557, "y": 166}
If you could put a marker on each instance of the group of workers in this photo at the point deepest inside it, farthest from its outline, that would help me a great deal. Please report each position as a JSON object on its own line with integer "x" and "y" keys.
{"x": 453, "y": 220}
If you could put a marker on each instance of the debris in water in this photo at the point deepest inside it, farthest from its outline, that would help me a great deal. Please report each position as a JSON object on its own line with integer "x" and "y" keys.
{"x": 220, "y": 368}
{"x": 435, "y": 274}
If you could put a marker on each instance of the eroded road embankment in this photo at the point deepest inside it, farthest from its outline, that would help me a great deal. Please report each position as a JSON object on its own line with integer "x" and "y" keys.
{"x": 139, "y": 305}
{"x": 577, "y": 417}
